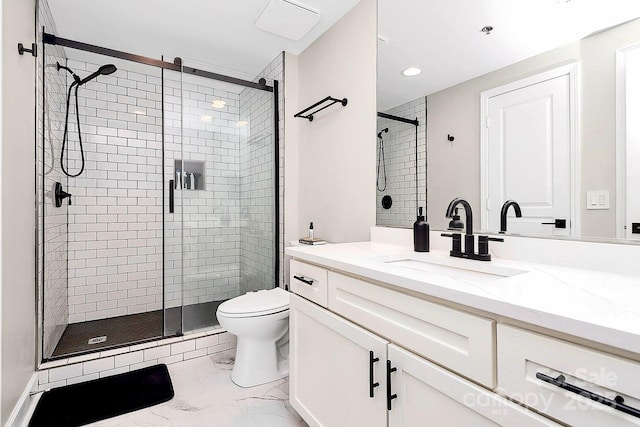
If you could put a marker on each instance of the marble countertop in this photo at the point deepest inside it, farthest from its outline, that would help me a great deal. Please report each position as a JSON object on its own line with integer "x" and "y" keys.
{"x": 597, "y": 306}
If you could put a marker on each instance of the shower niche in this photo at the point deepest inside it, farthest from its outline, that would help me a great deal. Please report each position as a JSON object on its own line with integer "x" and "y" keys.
{"x": 189, "y": 175}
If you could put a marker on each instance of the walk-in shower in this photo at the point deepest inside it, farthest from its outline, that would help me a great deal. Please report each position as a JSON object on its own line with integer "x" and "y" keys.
{"x": 173, "y": 175}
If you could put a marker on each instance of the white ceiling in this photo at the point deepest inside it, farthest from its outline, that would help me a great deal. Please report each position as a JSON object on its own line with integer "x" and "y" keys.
{"x": 217, "y": 32}
{"x": 443, "y": 37}
{"x": 440, "y": 36}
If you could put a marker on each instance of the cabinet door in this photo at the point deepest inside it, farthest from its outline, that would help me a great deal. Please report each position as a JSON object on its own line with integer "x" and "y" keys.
{"x": 428, "y": 395}
{"x": 330, "y": 369}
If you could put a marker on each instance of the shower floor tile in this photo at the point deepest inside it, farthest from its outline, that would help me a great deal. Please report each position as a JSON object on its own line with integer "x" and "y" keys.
{"x": 118, "y": 330}
{"x": 124, "y": 330}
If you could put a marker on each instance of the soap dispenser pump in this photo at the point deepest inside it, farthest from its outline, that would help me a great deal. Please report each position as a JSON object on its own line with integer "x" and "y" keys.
{"x": 420, "y": 233}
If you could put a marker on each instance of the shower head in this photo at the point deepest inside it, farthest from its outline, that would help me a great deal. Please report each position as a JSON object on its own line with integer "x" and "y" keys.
{"x": 385, "y": 130}
{"x": 104, "y": 70}
{"x": 62, "y": 67}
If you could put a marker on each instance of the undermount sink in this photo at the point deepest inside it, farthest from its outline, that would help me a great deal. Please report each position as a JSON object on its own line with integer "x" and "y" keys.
{"x": 480, "y": 273}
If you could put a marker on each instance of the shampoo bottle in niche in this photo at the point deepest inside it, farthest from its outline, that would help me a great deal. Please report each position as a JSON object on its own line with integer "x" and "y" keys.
{"x": 420, "y": 233}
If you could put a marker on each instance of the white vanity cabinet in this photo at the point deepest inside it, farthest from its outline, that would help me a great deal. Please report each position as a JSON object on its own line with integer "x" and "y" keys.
{"x": 342, "y": 374}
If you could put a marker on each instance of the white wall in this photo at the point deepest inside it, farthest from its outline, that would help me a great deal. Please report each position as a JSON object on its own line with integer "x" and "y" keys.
{"x": 18, "y": 202}
{"x": 290, "y": 183}
{"x": 454, "y": 168}
{"x": 337, "y": 150}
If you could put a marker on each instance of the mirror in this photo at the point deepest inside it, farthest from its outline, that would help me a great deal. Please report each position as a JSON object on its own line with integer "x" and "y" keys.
{"x": 401, "y": 164}
{"x": 492, "y": 44}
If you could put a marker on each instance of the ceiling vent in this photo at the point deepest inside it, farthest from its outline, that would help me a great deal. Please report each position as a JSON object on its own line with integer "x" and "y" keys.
{"x": 287, "y": 19}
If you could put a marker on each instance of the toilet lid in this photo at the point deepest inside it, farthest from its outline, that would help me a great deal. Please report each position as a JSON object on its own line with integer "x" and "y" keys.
{"x": 256, "y": 303}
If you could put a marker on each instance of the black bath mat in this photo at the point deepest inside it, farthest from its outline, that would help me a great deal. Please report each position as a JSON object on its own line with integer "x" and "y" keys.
{"x": 91, "y": 401}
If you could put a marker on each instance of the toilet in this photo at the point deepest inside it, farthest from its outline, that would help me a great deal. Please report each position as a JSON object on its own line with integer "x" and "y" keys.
{"x": 260, "y": 320}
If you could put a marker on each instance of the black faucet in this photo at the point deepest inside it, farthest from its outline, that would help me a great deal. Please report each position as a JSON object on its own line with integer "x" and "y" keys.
{"x": 483, "y": 241}
{"x": 468, "y": 219}
{"x": 503, "y": 214}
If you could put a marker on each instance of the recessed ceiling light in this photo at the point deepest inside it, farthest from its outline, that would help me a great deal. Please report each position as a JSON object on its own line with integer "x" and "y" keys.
{"x": 218, "y": 103}
{"x": 242, "y": 123}
{"x": 205, "y": 118}
{"x": 411, "y": 71}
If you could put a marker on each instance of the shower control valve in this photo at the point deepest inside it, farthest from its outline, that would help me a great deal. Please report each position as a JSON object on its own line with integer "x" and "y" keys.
{"x": 60, "y": 195}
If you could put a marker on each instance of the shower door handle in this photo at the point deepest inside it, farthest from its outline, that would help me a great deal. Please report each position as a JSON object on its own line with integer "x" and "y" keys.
{"x": 171, "y": 202}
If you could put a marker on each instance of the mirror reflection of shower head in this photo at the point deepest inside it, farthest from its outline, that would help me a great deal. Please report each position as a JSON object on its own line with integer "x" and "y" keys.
{"x": 385, "y": 130}
{"x": 104, "y": 70}
{"x": 62, "y": 67}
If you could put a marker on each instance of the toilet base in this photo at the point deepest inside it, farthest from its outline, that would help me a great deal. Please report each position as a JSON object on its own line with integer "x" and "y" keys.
{"x": 257, "y": 363}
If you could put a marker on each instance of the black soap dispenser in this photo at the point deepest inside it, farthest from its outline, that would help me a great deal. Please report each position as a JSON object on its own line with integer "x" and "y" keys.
{"x": 420, "y": 233}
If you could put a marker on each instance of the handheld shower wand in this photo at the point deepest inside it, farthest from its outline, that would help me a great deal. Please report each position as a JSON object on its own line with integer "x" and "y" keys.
{"x": 381, "y": 160}
{"x": 105, "y": 70}
{"x": 77, "y": 82}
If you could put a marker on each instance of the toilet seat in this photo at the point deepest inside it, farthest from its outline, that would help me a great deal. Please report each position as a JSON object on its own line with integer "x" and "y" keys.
{"x": 253, "y": 304}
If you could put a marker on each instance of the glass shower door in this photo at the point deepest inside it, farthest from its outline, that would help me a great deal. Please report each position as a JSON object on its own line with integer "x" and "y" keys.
{"x": 226, "y": 174}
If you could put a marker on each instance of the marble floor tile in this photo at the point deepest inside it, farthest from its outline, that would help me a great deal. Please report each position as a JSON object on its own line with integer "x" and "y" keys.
{"x": 206, "y": 397}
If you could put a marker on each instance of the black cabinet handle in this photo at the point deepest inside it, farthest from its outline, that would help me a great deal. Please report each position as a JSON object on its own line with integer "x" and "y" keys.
{"x": 390, "y": 396}
{"x": 617, "y": 403}
{"x": 171, "y": 202}
{"x": 372, "y": 385}
{"x": 303, "y": 280}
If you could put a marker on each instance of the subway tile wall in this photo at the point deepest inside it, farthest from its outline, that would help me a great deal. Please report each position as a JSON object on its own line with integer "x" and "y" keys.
{"x": 400, "y": 163}
{"x": 52, "y": 222}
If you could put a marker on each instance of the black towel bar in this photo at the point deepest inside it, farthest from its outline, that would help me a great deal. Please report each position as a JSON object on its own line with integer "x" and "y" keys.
{"x": 332, "y": 100}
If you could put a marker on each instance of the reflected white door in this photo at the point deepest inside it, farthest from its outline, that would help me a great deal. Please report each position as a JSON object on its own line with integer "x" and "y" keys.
{"x": 528, "y": 156}
{"x": 628, "y": 93}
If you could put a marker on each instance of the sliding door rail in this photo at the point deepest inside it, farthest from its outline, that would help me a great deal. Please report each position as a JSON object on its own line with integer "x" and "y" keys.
{"x": 175, "y": 66}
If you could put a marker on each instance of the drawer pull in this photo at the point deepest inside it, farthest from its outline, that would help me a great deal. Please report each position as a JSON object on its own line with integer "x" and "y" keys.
{"x": 390, "y": 396}
{"x": 304, "y": 280}
{"x": 617, "y": 403}
{"x": 372, "y": 385}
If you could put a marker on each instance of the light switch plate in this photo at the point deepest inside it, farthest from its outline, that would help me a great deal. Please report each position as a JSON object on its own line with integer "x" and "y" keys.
{"x": 598, "y": 199}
